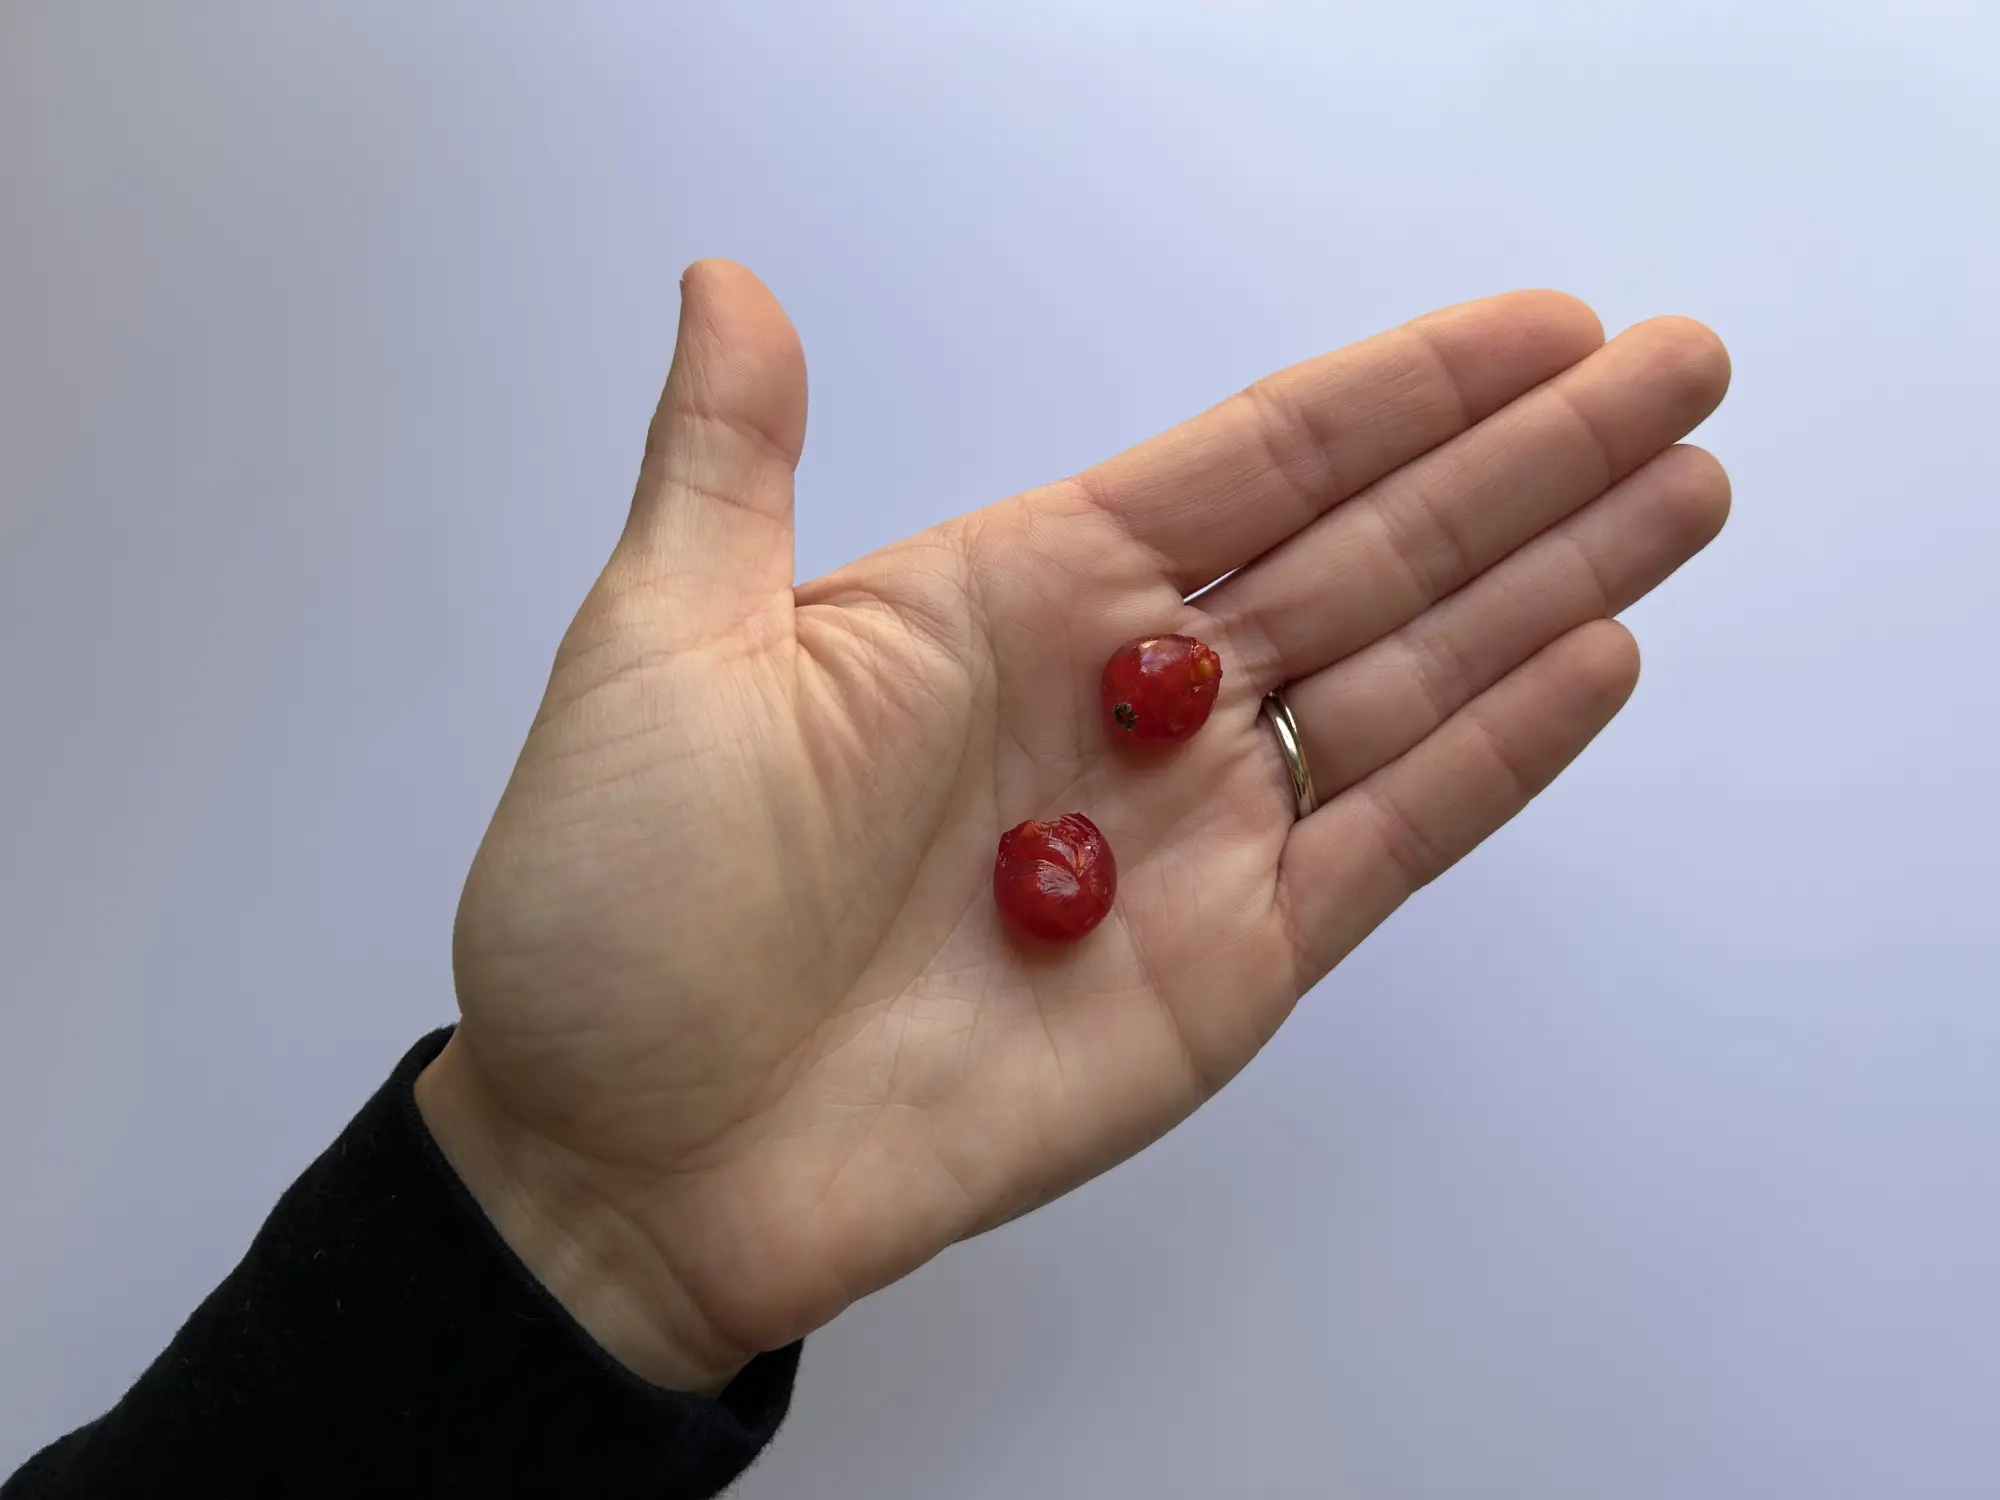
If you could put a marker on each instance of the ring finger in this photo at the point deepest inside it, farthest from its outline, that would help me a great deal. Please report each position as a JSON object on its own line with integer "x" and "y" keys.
{"x": 1362, "y": 712}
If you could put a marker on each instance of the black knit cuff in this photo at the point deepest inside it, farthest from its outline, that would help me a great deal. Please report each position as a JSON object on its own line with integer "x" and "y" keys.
{"x": 381, "y": 1338}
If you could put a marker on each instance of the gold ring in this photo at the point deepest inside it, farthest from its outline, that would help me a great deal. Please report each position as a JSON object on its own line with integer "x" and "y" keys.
{"x": 1293, "y": 747}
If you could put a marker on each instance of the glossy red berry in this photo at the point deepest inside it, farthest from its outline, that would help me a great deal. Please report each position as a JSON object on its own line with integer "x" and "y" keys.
{"x": 1158, "y": 691}
{"x": 1055, "y": 880}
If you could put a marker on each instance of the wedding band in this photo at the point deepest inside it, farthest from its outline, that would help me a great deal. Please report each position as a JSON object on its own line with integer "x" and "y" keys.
{"x": 1293, "y": 748}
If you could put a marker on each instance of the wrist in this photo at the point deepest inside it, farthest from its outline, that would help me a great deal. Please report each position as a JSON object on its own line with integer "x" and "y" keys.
{"x": 590, "y": 1256}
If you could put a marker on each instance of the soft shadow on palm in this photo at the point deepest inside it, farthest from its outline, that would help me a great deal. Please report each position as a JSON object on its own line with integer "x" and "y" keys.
{"x": 1008, "y": 1068}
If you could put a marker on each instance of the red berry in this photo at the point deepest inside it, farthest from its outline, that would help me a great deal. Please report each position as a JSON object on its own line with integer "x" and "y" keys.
{"x": 1055, "y": 880}
{"x": 1158, "y": 691}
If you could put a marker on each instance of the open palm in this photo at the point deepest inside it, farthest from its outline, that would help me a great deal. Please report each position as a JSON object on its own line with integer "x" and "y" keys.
{"x": 744, "y": 1037}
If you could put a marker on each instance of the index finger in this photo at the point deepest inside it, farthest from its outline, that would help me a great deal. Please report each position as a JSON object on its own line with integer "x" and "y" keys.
{"x": 1211, "y": 494}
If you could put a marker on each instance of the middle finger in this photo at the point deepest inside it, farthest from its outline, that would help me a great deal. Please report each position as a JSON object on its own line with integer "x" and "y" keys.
{"x": 1373, "y": 564}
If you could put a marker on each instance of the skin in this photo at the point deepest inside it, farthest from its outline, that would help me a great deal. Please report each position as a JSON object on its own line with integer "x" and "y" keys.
{"x": 743, "y": 1036}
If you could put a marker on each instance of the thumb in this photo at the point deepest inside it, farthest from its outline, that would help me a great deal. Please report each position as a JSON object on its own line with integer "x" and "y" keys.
{"x": 712, "y": 516}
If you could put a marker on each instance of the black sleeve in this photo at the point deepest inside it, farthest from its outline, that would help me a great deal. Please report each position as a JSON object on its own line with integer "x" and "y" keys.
{"x": 381, "y": 1339}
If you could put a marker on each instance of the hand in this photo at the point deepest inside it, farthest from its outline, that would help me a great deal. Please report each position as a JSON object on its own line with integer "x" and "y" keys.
{"x": 744, "y": 1038}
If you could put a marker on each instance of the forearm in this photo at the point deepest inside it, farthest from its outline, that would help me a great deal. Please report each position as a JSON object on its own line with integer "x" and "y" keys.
{"x": 591, "y": 1257}
{"x": 381, "y": 1337}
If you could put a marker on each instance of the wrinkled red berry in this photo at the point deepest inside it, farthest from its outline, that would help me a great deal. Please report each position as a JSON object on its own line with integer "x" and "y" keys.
{"x": 1055, "y": 880}
{"x": 1159, "y": 690}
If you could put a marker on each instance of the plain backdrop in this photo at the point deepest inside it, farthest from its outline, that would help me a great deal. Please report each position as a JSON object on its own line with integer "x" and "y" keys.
{"x": 1649, "y": 1154}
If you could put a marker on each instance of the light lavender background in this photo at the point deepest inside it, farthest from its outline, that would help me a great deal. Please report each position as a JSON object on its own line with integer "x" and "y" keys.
{"x": 1651, "y": 1154}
